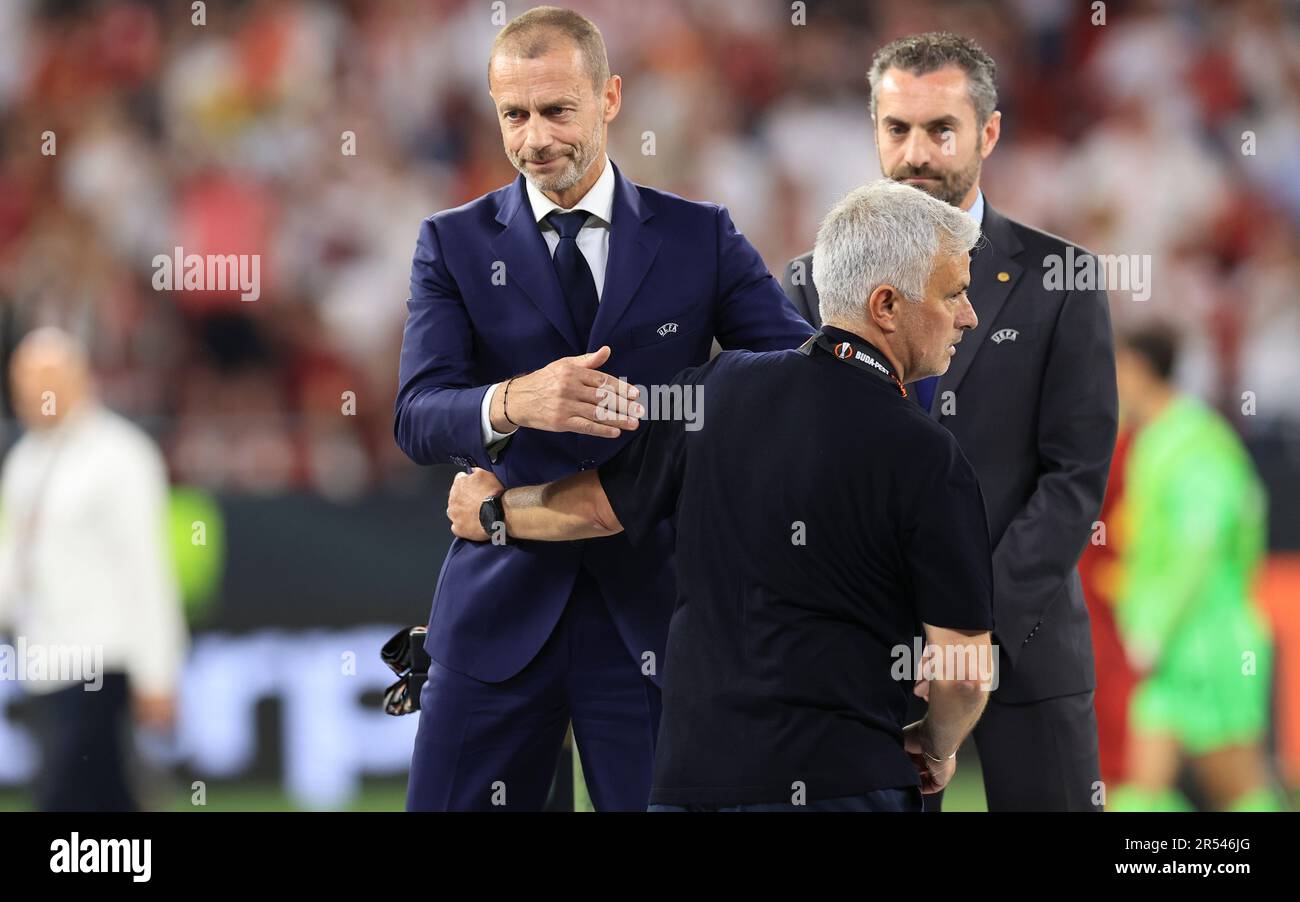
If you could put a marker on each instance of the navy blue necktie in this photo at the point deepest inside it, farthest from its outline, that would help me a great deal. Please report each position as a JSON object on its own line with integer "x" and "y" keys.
{"x": 575, "y": 275}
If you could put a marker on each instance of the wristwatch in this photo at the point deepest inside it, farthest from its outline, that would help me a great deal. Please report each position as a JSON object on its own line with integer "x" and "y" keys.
{"x": 491, "y": 512}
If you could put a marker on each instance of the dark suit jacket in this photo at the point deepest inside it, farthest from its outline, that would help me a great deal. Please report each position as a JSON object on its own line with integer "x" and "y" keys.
{"x": 1030, "y": 396}
{"x": 678, "y": 275}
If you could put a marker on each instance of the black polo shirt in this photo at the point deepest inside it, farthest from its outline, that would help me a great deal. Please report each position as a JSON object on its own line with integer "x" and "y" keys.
{"x": 821, "y": 517}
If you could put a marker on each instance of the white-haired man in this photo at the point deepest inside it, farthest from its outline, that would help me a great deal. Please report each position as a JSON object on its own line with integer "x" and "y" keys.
{"x": 1030, "y": 397}
{"x": 821, "y": 517}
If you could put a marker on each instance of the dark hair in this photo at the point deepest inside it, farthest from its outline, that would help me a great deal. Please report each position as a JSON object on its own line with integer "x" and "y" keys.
{"x": 921, "y": 54}
{"x": 532, "y": 34}
{"x": 1156, "y": 345}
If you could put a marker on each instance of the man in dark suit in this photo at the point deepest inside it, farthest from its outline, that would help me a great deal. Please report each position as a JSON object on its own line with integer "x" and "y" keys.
{"x": 1031, "y": 399}
{"x": 517, "y": 299}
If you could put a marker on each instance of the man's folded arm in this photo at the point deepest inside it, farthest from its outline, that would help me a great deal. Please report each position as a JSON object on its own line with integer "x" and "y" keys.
{"x": 957, "y": 695}
{"x": 1077, "y": 421}
{"x": 632, "y": 491}
{"x": 438, "y": 414}
{"x": 578, "y": 507}
{"x": 575, "y": 507}
{"x": 946, "y": 552}
{"x": 945, "y": 542}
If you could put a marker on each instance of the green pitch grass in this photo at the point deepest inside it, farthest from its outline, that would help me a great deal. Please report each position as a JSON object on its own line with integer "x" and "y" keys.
{"x": 965, "y": 794}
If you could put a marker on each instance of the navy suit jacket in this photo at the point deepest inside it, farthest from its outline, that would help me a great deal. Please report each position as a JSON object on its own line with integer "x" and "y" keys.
{"x": 486, "y": 305}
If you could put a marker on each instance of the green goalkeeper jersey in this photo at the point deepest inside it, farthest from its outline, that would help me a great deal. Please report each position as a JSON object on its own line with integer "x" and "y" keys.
{"x": 1193, "y": 533}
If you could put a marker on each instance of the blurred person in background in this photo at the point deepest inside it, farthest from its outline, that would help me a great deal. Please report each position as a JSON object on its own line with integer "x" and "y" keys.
{"x": 84, "y": 562}
{"x": 1193, "y": 533}
{"x": 1099, "y": 570}
{"x": 1030, "y": 397}
{"x": 518, "y": 300}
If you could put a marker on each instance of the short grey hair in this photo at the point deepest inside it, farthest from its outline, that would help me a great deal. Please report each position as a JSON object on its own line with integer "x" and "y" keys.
{"x": 884, "y": 233}
{"x": 921, "y": 54}
{"x": 532, "y": 34}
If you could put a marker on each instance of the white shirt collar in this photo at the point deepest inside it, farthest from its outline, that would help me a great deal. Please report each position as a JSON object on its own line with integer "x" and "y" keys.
{"x": 976, "y": 211}
{"x": 599, "y": 200}
{"x": 72, "y": 422}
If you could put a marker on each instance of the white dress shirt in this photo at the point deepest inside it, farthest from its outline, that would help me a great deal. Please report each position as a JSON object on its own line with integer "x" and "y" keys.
{"x": 593, "y": 242}
{"x": 976, "y": 211}
{"x": 84, "y": 557}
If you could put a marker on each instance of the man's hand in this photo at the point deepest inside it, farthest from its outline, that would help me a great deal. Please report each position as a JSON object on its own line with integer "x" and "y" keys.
{"x": 153, "y": 711}
{"x": 569, "y": 395}
{"x": 934, "y": 774}
{"x": 467, "y": 493}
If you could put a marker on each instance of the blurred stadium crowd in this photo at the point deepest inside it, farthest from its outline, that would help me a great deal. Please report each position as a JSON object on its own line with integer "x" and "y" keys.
{"x": 227, "y": 138}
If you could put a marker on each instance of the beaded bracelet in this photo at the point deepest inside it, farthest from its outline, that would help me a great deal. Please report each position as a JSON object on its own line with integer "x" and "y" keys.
{"x": 505, "y": 402}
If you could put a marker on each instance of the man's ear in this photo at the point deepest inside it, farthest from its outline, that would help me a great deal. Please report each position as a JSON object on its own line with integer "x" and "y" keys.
{"x": 882, "y": 307}
{"x": 990, "y": 133}
{"x": 613, "y": 97}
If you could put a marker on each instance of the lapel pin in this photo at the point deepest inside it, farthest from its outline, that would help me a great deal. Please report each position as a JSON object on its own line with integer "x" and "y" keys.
{"x": 1004, "y": 277}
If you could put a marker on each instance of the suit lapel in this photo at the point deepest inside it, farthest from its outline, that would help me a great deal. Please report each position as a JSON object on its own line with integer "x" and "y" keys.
{"x": 528, "y": 262}
{"x": 632, "y": 248}
{"x": 994, "y": 273}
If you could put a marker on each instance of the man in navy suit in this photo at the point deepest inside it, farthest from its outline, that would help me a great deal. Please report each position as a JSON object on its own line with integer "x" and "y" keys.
{"x": 518, "y": 300}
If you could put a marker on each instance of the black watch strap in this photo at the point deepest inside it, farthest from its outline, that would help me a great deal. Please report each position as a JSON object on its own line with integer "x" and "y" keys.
{"x": 491, "y": 512}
